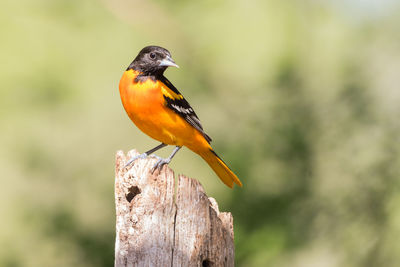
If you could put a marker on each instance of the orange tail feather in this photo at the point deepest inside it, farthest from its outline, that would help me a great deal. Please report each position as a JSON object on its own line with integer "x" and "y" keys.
{"x": 220, "y": 168}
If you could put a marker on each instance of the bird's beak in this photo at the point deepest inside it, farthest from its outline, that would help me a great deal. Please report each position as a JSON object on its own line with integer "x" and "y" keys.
{"x": 168, "y": 62}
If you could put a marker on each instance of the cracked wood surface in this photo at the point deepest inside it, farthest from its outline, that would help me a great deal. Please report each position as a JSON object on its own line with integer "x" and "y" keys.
{"x": 156, "y": 226}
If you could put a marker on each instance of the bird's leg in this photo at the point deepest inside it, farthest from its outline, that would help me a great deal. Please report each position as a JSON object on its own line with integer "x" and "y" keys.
{"x": 145, "y": 154}
{"x": 161, "y": 162}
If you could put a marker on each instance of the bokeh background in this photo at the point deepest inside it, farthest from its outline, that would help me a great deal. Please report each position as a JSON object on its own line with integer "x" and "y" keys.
{"x": 301, "y": 98}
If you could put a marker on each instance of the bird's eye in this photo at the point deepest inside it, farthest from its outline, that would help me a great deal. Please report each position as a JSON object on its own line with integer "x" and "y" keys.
{"x": 152, "y": 55}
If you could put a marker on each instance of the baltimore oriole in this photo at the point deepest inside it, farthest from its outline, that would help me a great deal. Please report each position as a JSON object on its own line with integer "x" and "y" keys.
{"x": 160, "y": 111}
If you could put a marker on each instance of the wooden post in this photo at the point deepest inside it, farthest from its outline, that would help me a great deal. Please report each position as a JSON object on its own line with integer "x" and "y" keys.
{"x": 157, "y": 226}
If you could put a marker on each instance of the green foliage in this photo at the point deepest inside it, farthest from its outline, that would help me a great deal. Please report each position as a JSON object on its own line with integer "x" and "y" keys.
{"x": 300, "y": 97}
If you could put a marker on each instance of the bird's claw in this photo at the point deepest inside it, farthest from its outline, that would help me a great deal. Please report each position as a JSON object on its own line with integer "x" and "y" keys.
{"x": 159, "y": 164}
{"x": 141, "y": 156}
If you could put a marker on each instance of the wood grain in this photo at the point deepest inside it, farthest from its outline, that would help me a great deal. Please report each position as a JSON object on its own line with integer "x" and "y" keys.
{"x": 156, "y": 226}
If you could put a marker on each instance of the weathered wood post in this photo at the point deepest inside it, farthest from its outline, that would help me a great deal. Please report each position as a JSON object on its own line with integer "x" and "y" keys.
{"x": 158, "y": 226}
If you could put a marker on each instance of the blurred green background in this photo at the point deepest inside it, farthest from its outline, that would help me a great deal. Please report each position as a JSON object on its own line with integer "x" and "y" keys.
{"x": 301, "y": 98}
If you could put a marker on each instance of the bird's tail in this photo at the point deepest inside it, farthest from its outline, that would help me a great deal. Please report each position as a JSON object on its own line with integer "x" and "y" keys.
{"x": 220, "y": 168}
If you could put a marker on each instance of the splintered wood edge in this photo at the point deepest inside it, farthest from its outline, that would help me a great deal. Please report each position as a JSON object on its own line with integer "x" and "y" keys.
{"x": 225, "y": 217}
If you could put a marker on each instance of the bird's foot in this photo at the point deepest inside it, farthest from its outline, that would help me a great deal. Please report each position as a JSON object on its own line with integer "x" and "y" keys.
{"x": 141, "y": 156}
{"x": 160, "y": 163}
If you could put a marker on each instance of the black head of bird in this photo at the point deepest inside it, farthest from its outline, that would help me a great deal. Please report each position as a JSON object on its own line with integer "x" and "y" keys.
{"x": 152, "y": 60}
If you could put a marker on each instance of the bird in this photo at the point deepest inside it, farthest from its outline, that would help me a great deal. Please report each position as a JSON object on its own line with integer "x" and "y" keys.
{"x": 159, "y": 110}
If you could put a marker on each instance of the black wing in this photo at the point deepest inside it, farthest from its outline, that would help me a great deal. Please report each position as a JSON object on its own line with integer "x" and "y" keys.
{"x": 183, "y": 109}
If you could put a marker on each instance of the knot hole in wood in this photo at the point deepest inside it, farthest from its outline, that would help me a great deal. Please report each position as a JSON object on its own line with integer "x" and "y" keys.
{"x": 133, "y": 191}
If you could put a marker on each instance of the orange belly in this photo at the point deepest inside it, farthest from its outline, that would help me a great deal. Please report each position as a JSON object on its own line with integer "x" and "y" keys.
{"x": 145, "y": 105}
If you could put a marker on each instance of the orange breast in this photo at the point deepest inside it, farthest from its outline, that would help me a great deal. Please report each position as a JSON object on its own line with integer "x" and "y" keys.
{"x": 145, "y": 104}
